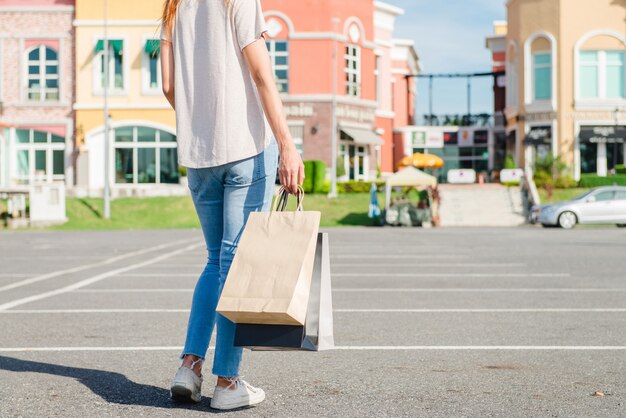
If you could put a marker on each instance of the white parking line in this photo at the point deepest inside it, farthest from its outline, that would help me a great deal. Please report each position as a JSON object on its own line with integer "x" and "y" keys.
{"x": 451, "y": 310}
{"x": 345, "y": 348}
{"x": 88, "y": 266}
{"x": 480, "y": 310}
{"x": 385, "y": 290}
{"x": 165, "y": 274}
{"x": 451, "y": 275}
{"x": 398, "y": 256}
{"x": 419, "y": 264}
{"x": 94, "y": 279}
{"x": 16, "y": 274}
{"x": 445, "y": 289}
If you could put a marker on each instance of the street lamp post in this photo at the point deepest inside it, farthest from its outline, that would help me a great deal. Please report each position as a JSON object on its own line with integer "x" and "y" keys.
{"x": 107, "y": 187}
{"x": 333, "y": 174}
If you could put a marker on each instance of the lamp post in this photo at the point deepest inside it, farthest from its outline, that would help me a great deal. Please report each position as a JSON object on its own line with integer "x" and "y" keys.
{"x": 107, "y": 187}
{"x": 333, "y": 173}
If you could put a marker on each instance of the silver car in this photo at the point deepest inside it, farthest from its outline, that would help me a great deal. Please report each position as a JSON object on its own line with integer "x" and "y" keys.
{"x": 603, "y": 205}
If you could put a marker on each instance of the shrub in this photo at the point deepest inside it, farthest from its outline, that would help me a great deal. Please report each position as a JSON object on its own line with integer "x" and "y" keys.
{"x": 593, "y": 180}
{"x": 319, "y": 176}
{"x": 309, "y": 173}
{"x": 543, "y": 179}
{"x": 565, "y": 182}
{"x": 509, "y": 162}
{"x": 182, "y": 170}
{"x": 620, "y": 169}
{"x": 325, "y": 188}
{"x": 353, "y": 186}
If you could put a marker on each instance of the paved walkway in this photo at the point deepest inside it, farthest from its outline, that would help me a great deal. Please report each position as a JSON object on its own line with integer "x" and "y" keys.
{"x": 429, "y": 323}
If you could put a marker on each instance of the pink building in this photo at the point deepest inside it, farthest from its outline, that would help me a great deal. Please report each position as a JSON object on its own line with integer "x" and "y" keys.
{"x": 36, "y": 91}
{"x": 370, "y": 86}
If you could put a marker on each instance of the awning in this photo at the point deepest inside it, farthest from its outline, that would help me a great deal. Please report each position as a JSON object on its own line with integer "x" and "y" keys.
{"x": 539, "y": 135}
{"x": 117, "y": 46}
{"x": 362, "y": 136}
{"x": 603, "y": 134}
{"x": 153, "y": 47}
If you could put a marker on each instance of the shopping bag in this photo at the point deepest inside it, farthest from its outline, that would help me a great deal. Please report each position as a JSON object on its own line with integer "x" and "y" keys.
{"x": 270, "y": 276}
{"x": 316, "y": 334}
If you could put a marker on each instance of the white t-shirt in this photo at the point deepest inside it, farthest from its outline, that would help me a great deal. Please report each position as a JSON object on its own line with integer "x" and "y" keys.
{"x": 219, "y": 117}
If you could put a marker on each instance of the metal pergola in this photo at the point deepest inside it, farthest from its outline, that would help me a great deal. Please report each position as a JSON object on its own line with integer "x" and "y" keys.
{"x": 467, "y": 76}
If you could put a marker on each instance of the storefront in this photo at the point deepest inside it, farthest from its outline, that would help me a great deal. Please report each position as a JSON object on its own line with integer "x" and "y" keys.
{"x": 37, "y": 154}
{"x": 460, "y": 148}
{"x": 358, "y": 153}
{"x": 601, "y": 148}
{"x": 538, "y": 144}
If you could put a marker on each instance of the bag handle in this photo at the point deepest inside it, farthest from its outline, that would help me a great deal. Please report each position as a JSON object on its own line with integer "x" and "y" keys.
{"x": 280, "y": 203}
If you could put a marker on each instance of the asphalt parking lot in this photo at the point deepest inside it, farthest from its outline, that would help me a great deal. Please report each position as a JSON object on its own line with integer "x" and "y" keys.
{"x": 428, "y": 323}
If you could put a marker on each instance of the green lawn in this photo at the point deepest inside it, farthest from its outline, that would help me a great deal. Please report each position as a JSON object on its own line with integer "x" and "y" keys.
{"x": 559, "y": 195}
{"x": 178, "y": 212}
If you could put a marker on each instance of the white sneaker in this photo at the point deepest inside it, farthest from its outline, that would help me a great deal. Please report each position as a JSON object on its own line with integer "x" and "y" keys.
{"x": 186, "y": 386}
{"x": 242, "y": 395}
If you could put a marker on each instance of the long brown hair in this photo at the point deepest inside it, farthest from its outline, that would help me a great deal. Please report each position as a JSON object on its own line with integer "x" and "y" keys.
{"x": 169, "y": 12}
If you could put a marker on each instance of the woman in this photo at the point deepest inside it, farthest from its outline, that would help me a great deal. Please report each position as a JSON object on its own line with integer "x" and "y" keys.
{"x": 218, "y": 77}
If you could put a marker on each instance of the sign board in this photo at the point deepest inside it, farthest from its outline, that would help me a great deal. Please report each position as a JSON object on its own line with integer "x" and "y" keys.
{"x": 539, "y": 135}
{"x": 466, "y": 137}
{"x": 462, "y": 176}
{"x": 605, "y": 134}
{"x": 427, "y": 139}
{"x": 511, "y": 175}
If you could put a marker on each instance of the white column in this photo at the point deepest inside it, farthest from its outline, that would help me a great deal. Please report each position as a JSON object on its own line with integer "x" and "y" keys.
{"x": 602, "y": 165}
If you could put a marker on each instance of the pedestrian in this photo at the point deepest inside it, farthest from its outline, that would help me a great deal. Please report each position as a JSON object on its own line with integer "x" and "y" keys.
{"x": 231, "y": 129}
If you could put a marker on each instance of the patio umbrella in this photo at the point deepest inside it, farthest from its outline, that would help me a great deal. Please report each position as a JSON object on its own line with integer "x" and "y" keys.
{"x": 420, "y": 160}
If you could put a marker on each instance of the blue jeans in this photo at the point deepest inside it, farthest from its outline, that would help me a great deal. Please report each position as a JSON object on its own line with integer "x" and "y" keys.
{"x": 224, "y": 196}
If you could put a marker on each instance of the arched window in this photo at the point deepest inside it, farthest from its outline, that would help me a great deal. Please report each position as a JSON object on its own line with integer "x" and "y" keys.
{"x": 43, "y": 74}
{"x": 539, "y": 71}
{"x": 279, "y": 28}
{"x": 601, "y": 68}
{"x": 354, "y": 32}
{"x": 145, "y": 155}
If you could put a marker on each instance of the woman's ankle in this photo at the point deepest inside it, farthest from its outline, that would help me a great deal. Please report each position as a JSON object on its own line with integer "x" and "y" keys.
{"x": 194, "y": 363}
{"x": 225, "y": 382}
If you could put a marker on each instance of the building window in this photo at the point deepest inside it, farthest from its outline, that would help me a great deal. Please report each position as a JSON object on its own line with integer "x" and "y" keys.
{"x": 542, "y": 76}
{"x": 40, "y": 156}
{"x": 145, "y": 155}
{"x": 43, "y": 74}
{"x": 602, "y": 75}
{"x": 115, "y": 65}
{"x": 297, "y": 133}
{"x": 279, "y": 56}
{"x": 151, "y": 83}
{"x": 353, "y": 70}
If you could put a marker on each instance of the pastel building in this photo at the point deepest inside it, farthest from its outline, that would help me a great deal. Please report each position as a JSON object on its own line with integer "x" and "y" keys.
{"x": 566, "y": 82}
{"x": 143, "y": 132}
{"x": 367, "y": 78}
{"x": 36, "y": 92}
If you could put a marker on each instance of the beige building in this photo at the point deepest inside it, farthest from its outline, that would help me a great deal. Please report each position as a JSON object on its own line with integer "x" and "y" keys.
{"x": 566, "y": 89}
{"x": 142, "y": 138}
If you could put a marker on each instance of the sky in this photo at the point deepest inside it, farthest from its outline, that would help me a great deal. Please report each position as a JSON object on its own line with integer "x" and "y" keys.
{"x": 449, "y": 37}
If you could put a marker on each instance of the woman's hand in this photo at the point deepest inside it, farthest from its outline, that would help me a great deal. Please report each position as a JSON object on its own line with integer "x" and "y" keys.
{"x": 291, "y": 168}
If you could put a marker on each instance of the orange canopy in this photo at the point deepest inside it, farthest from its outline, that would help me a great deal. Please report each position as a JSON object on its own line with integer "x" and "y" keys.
{"x": 420, "y": 160}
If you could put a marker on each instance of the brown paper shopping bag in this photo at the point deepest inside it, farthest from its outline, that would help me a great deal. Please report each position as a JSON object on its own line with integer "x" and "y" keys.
{"x": 270, "y": 277}
{"x": 316, "y": 334}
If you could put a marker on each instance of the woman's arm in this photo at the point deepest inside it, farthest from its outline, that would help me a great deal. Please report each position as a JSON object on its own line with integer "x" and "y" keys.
{"x": 167, "y": 71}
{"x": 291, "y": 169}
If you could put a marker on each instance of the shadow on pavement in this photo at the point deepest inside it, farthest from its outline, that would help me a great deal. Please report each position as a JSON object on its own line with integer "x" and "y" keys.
{"x": 112, "y": 387}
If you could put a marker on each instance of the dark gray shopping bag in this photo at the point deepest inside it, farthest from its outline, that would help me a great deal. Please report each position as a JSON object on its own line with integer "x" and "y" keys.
{"x": 316, "y": 334}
